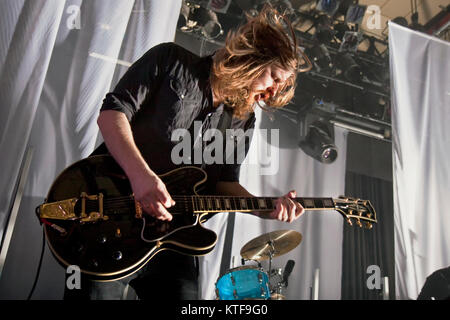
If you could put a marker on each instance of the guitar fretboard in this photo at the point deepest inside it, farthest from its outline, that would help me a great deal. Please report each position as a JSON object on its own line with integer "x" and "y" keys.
{"x": 249, "y": 204}
{"x": 201, "y": 204}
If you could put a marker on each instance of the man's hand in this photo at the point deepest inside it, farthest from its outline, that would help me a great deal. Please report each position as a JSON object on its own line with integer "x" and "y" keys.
{"x": 152, "y": 194}
{"x": 149, "y": 190}
{"x": 286, "y": 209}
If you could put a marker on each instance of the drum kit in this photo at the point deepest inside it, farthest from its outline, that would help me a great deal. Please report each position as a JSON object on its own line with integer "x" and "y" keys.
{"x": 251, "y": 282}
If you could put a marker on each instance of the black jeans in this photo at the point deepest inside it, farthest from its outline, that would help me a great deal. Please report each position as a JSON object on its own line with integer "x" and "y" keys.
{"x": 168, "y": 275}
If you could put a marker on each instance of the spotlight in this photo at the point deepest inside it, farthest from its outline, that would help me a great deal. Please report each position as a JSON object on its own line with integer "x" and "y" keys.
{"x": 317, "y": 138}
{"x": 349, "y": 68}
{"x": 401, "y": 21}
{"x": 350, "y": 41}
{"x": 328, "y": 6}
{"x": 355, "y": 13}
{"x": 340, "y": 29}
{"x": 211, "y": 28}
{"x": 193, "y": 17}
{"x": 324, "y": 30}
{"x": 320, "y": 56}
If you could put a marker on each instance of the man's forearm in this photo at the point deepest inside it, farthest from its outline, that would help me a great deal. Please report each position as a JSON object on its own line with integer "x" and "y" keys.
{"x": 118, "y": 137}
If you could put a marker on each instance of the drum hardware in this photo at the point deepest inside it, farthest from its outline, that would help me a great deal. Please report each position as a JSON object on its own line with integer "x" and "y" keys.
{"x": 243, "y": 283}
{"x": 277, "y": 296}
{"x": 271, "y": 245}
{"x": 252, "y": 282}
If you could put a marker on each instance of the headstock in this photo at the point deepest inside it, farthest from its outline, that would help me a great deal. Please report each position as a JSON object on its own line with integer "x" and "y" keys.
{"x": 356, "y": 211}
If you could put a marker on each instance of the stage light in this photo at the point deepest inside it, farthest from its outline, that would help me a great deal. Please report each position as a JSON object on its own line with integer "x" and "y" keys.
{"x": 355, "y": 13}
{"x": 328, "y": 6}
{"x": 324, "y": 29}
{"x": 401, "y": 21}
{"x": 320, "y": 56}
{"x": 350, "y": 41}
{"x": 194, "y": 17}
{"x": 340, "y": 29}
{"x": 317, "y": 138}
{"x": 349, "y": 68}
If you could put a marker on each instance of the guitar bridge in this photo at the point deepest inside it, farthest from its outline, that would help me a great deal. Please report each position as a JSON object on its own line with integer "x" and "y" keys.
{"x": 65, "y": 209}
{"x": 59, "y": 210}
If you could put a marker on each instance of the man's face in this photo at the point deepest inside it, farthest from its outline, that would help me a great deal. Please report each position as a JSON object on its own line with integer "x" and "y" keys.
{"x": 268, "y": 83}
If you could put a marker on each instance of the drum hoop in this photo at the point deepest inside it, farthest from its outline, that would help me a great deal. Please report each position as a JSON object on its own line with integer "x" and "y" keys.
{"x": 238, "y": 269}
{"x": 241, "y": 268}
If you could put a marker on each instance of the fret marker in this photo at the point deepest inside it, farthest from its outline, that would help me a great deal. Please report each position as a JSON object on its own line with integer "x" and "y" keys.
{"x": 262, "y": 203}
{"x": 209, "y": 204}
{"x": 328, "y": 203}
{"x": 309, "y": 203}
{"x": 202, "y": 205}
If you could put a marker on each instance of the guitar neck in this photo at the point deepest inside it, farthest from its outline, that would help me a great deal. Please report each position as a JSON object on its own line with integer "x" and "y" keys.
{"x": 202, "y": 204}
{"x": 250, "y": 204}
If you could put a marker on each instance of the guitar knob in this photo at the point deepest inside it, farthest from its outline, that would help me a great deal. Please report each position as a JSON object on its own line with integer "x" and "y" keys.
{"x": 368, "y": 225}
{"x": 79, "y": 247}
{"x": 94, "y": 263}
{"x": 102, "y": 239}
{"x": 117, "y": 255}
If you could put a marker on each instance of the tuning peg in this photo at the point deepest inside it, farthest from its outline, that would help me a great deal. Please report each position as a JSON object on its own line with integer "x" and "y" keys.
{"x": 368, "y": 225}
{"x": 359, "y": 223}
{"x": 349, "y": 221}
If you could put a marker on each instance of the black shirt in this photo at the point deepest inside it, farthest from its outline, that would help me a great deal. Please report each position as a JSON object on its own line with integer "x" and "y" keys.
{"x": 165, "y": 92}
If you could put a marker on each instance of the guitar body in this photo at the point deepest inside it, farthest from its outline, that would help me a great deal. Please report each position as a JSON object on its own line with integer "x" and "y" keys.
{"x": 119, "y": 245}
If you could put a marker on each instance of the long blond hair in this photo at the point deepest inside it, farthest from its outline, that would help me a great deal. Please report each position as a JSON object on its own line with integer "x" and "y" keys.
{"x": 261, "y": 42}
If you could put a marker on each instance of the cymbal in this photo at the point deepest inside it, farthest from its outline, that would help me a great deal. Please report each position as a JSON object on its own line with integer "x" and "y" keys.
{"x": 275, "y": 243}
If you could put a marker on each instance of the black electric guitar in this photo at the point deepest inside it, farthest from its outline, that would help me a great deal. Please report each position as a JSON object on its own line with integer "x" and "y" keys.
{"x": 92, "y": 220}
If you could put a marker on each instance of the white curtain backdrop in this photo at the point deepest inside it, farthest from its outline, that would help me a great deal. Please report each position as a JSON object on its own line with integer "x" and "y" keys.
{"x": 287, "y": 169}
{"x": 420, "y": 73}
{"x": 58, "y": 59}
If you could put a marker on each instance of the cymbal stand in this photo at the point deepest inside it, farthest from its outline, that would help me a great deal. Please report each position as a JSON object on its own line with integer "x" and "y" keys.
{"x": 271, "y": 254}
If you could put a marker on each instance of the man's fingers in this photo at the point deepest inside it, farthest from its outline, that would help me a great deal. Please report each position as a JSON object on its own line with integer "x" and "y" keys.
{"x": 281, "y": 211}
{"x": 156, "y": 210}
{"x": 164, "y": 196}
{"x": 161, "y": 212}
{"x": 300, "y": 210}
{"x": 291, "y": 210}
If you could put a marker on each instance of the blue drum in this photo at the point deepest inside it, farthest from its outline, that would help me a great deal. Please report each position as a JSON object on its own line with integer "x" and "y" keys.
{"x": 243, "y": 283}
